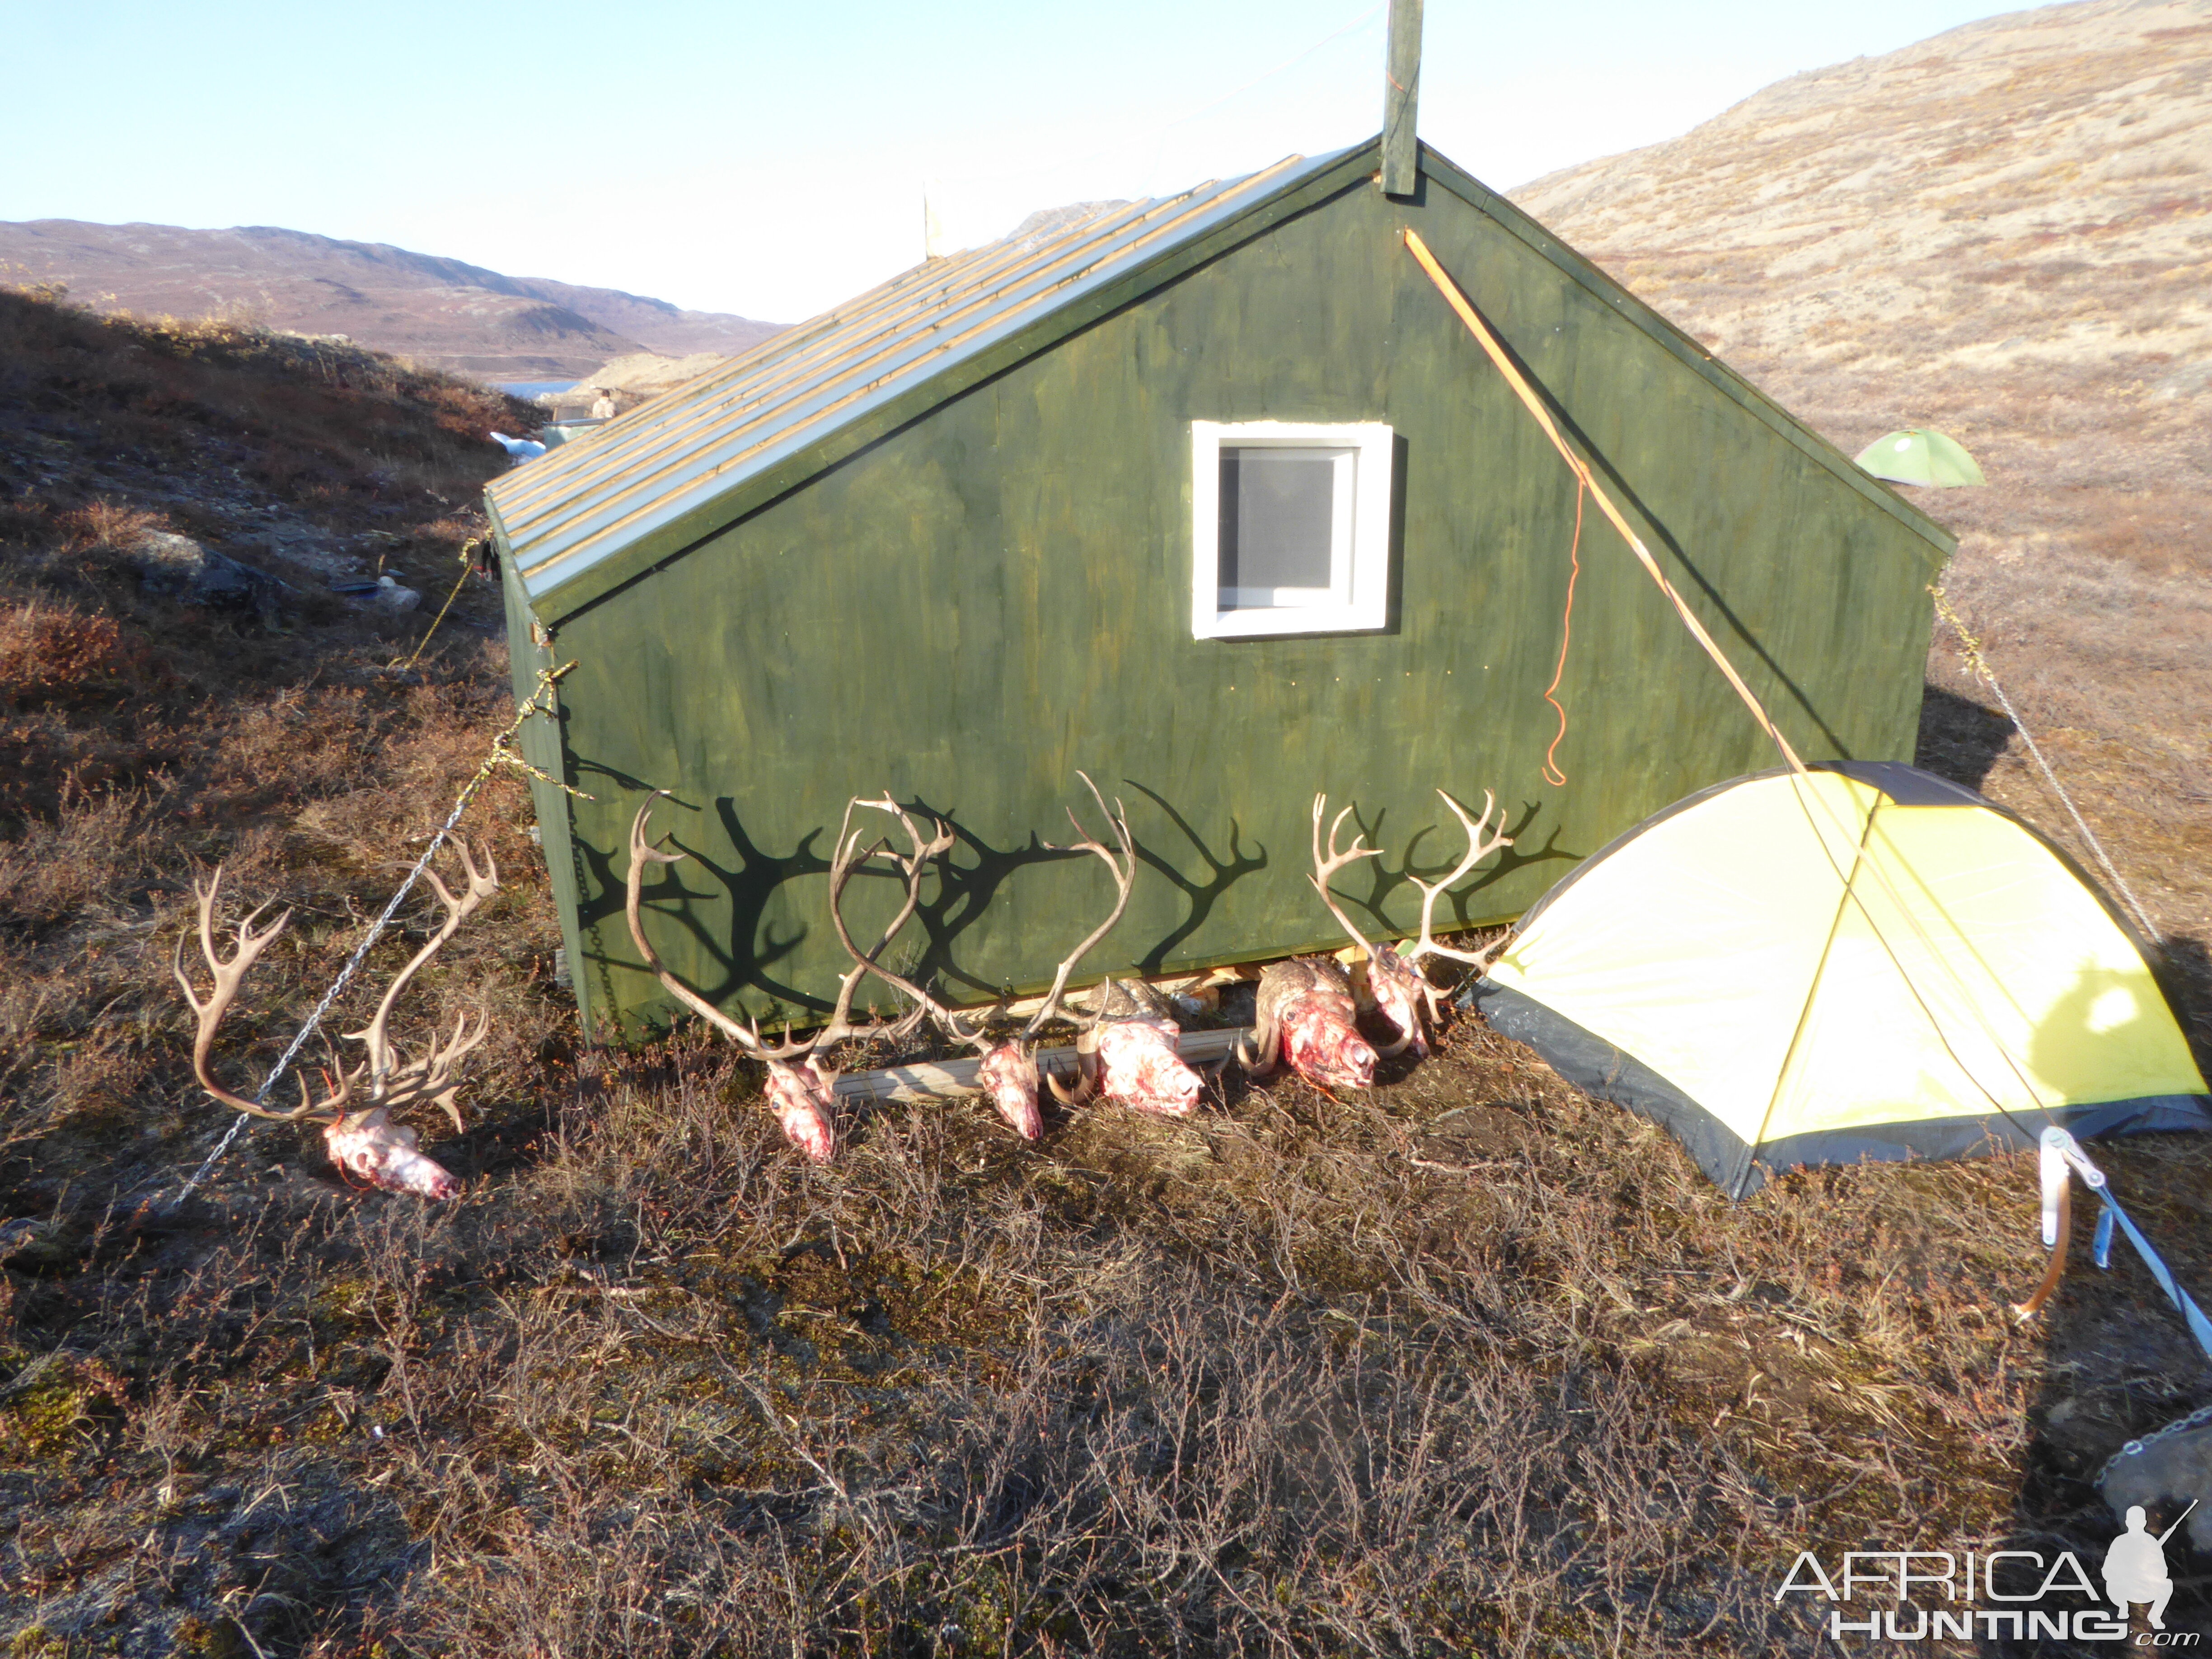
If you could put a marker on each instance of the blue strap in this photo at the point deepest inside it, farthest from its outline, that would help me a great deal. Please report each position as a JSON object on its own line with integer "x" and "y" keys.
{"x": 2199, "y": 1327}
{"x": 2104, "y": 1238}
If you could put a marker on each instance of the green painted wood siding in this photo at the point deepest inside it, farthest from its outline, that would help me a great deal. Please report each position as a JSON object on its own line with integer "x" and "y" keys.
{"x": 998, "y": 594}
{"x": 539, "y": 741}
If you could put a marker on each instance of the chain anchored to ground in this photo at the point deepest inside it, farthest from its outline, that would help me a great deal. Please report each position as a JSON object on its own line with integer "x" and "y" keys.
{"x": 504, "y": 755}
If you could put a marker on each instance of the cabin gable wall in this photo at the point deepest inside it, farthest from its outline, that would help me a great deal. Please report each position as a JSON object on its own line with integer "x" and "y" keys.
{"x": 998, "y": 594}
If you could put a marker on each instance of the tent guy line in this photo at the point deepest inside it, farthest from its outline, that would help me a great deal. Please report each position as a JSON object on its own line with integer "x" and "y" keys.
{"x": 1980, "y": 665}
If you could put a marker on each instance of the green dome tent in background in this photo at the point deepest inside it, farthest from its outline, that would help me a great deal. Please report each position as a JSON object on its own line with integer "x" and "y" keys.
{"x": 1917, "y": 456}
{"x": 1865, "y": 961}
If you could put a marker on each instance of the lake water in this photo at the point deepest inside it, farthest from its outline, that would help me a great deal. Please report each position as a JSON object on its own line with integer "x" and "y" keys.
{"x": 529, "y": 389}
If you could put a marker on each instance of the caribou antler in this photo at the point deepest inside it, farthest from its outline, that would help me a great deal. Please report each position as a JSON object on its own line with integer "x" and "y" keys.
{"x": 362, "y": 1141}
{"x": 228, "y": 976}
{"x": 1325, "y": 867}
{"x": 801, "y": 1090}
{"x": 432, "y": 1077}
{"x": 1395, "y": 977}
{"x": 1481, "y": 842}
{"x": 1127, "y": 1048}
{"x": 1124, "y": 871}
{"x": 1008, "y": 1074}
{"x": 910, "y": 867}
{"x": 1009, "y": 1070}
{"x": 642, "y": 853}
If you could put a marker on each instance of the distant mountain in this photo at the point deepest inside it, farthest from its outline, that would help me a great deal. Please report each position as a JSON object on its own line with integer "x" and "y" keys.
{"x": 443, "y": 311}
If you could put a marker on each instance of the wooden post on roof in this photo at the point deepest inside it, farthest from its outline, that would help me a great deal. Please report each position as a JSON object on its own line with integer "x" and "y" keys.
{"x": 1401, "y": 159}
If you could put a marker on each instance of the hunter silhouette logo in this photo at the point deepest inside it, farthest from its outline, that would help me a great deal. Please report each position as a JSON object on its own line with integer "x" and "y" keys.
{"x": 2002, "y": 1594}
{"x": 2135, "y": 1567}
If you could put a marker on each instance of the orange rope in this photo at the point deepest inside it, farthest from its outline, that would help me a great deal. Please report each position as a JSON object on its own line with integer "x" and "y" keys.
{"x": 1553, "y": 775}
{"x": 1514, "y": 378}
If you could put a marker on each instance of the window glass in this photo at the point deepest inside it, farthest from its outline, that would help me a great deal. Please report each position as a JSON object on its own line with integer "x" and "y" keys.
{"x": 1277, "y": 524}
{"x": 1290, "y": 528}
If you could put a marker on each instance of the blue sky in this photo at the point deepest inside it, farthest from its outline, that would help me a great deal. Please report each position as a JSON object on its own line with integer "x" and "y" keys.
{"x": 772, "y": 161}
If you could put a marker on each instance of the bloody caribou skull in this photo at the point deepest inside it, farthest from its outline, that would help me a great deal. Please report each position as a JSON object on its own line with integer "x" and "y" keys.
{"x": 804, "y": 1097}
{"x": 1128, "y": 1054}
{"x": 1398, "y": 989}
{"x": 1009, "y": 1073}
{"x": 1009, "y": 1076}
{"x": 357, "y": 1127}
{"x": 1306, "y": 1016}
{"x": 370, "y": 1147}
{"x": 1395, "y": 979}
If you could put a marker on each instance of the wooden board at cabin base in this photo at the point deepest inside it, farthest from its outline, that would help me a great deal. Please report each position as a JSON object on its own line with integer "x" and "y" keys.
{"x": 949, "y": 1079}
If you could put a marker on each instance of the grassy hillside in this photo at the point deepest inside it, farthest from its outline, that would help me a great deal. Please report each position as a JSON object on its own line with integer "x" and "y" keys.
{"x": 1467, "y": 1364}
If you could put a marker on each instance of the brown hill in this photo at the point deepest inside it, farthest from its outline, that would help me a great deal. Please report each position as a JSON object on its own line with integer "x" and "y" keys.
{"x": 2004, "y": 232}
{"x": 442, "y": 312}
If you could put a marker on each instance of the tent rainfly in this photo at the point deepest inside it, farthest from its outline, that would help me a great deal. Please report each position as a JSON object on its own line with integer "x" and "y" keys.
{"x": 1918, "y": 456}
{"x": 1863, "y": 962}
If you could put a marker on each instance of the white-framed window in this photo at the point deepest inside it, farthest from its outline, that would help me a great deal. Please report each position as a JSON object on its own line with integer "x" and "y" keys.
{"x": 1291, "y": 527}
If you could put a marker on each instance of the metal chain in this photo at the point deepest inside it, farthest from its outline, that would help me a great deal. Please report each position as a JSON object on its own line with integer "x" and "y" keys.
{"x": 1979, "y": 664}
{"x": 501, "y": 755}
{"x": 2196, "y": 1419}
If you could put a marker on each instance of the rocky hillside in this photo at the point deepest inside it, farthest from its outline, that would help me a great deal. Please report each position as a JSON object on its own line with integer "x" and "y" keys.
{"x": 2029, "y": 191}
{"x": 440, "y": 313}
{"x": 2004, "y": 232}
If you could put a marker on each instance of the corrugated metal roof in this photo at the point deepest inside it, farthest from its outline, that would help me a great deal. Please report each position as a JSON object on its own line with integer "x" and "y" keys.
{"x": 587, "y": 499}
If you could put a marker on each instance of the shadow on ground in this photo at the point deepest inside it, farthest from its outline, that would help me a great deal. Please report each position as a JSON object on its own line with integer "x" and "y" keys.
{"x": 1960, "y": 739}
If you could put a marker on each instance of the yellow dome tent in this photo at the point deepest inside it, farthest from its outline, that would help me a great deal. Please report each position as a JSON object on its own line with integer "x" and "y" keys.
{"x": 1865, "y": 961}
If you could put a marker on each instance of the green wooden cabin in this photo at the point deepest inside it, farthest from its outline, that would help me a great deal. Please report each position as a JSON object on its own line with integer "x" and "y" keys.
{"x": 1212, "y": 497}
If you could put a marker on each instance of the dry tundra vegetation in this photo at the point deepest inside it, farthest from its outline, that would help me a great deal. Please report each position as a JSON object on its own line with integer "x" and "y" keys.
{"x": 1471, "y": 1364}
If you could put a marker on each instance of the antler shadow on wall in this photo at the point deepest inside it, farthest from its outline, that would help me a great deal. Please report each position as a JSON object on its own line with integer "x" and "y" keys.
{"x": 964, "y": 892}
{"x": 1200, "y": 896}
{"x": 747, "y": 938}
{"x": 745, "y": 943}
{"x": 745, "y": 947}
{"x": 1384, "y": 882}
